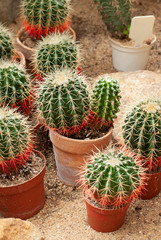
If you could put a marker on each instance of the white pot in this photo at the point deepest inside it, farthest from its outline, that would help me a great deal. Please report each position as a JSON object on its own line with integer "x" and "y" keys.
{"x": 127, "y": 58}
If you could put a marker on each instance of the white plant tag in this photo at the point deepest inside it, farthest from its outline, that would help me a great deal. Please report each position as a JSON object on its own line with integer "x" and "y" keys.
{"x": 141, "y": 29}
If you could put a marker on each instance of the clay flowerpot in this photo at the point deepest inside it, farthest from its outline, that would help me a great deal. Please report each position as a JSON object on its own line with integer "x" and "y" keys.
{"x": 130, "y": 58}
{"x": 153, "y": 186}
{"x": 18, "y": 56}
{"x": 105, "y": 220}
{"x": 27, "y": 51}
{"x": 26, "y": 199}
{"x": 70, "y": 154}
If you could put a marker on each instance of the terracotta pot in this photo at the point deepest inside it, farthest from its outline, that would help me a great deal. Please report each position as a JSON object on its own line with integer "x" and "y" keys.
{"x": 70, "y": 154}
{"x": 27, "y": 51}
{"x": 26, "y": 199}
{"x": 19, "y": 56}
{"x": 153, "y": 186}
{"x": 105, "y": 220}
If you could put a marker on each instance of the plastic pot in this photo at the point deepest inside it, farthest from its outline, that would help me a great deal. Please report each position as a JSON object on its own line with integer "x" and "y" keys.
{"x": 70, "y": 154}
{"x": 153, "y": 186}
{"x": 105, "y": 220}
{"x": 26, "y": 199}
{"x": 128, "y": 58}
{"x": 27, "y": 51}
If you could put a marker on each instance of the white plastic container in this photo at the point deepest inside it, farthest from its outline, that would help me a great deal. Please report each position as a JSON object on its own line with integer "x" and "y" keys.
{"x": 127, "y": 58}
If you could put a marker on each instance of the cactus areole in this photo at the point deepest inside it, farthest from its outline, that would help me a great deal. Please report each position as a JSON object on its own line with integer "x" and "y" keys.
{"x": 142, "y": 132}
{"x": 41, "y": 17}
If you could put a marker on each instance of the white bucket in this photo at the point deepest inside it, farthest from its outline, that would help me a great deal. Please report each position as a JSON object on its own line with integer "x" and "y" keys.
{"x": 127, "y": 58}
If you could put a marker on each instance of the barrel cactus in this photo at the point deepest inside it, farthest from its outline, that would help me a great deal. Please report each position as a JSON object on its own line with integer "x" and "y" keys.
{"x": 15, "y": 138}
{"x": 14, "y": 86}
{"x": 142, "y": 132}
{"x": 63, "y": 101}
{"x": 105, "y": 100}
{"x": 6, "y": 46}
{"x": 112, "y": 178}
{"x": 56, "y": 51}
{"x": 41, "y": 17}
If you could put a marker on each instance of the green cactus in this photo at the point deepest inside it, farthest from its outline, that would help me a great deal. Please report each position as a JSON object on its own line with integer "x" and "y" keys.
{"x": 14, "y": 84}
{"x": 44, "y": 16}
{"x": 56, "y": 51}
{"x": 6, "y": 46}
{"x": 15, "y": 139}
{"x": 142, "y": 132}
{"x": 112, "y": 178}
{"x": 117, "y": 16}
{"x": 63, "y": 101}
{"x": 106, "y": 100}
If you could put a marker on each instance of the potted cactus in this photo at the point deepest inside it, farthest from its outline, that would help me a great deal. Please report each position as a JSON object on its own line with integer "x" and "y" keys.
{"x": 65, "y": 107}
{"x": 127, "y": 55}
{"x": 21, "y": 186}
{"x": 110, "y": 181}
{"x": 41, "y": 18}
{"x": 142, "y": 134}
{"x": 15, "y": 87}
{"x": 55, "y": 51}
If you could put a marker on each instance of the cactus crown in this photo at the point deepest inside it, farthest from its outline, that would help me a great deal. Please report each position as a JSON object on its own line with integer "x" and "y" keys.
{"x": 6, "y": 46}
{"x": 56, "y": 51}
{"x": 44, "y": 16}
{"x": 142, "y": 132}
{"x": 63, "y": 100}
{"x": 112, "y": 178}
{"x": 106, "y": 99}
{"x": 117, "y": 16}
{"x": 15, "y": 138}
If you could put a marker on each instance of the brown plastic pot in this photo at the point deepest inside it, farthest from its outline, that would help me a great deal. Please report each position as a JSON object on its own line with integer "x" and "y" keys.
{"x": 26, "y": 199}
{"x": 19, "y": 56}
{"x": 27, "y": 51}
{"x": 70, "y": 154}
{"x": 153, "y": 186}
{"x": 105, "y": 220}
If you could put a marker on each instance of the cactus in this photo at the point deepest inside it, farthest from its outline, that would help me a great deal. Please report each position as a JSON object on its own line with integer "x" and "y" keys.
{"x": 56, "y": 51}
{"x": 63, "y": 101}
{"x": 14, "y": 86}
{"x": 117, "y": 16}
{"x": 41, "y": 17}
{"x": 15, "y": 138}
{"x": 142, "y": 132}
{"x": 112, "y": 178}
{"x": 105, "y": 100}
{"x": 6, "y": 46}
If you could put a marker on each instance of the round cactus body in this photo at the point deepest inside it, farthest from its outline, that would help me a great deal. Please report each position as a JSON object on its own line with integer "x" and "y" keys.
{"x": 63, "y": 101}
{"x": 44, "y": 16}
{"x": 142, "y": 132}
{"x": 6, "y": 46}
{"x": 56, "y": 51}
{"x": 14, "y": 86}
{"x": 15, "y": 139}
{"x": 112, "y": 178}
{"x": 106, "y": 99}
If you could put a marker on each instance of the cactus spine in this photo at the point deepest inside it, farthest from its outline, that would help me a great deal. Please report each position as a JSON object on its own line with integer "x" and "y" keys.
{"x": 142, "y": 132}
{"x": 15, "y": 139}
{"x": 63, "y": 101}
{"x": 56, "y": 51}
{"x": 44, "y": 16}
{"x": 6, "y": 46}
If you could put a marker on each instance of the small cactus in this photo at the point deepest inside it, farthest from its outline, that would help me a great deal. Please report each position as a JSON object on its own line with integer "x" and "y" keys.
{"x": 105, "y": 100}
{"x": 15, "y": 138}
{"x": 56, "y": 51}
{"x": 41, "y": 17}
{"x": 6, "y": 46}
{"x": 142, "y": 132}
{"x": 112, "y": 178}
{"x": 14, "y": 86}
{"x": 63, "y": 101}
{"x": 117, "y": 16}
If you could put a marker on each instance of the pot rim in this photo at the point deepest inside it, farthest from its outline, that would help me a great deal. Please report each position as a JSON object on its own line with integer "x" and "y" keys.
{"x": 22, "y": 57}
{"x": 25, "y": 182}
